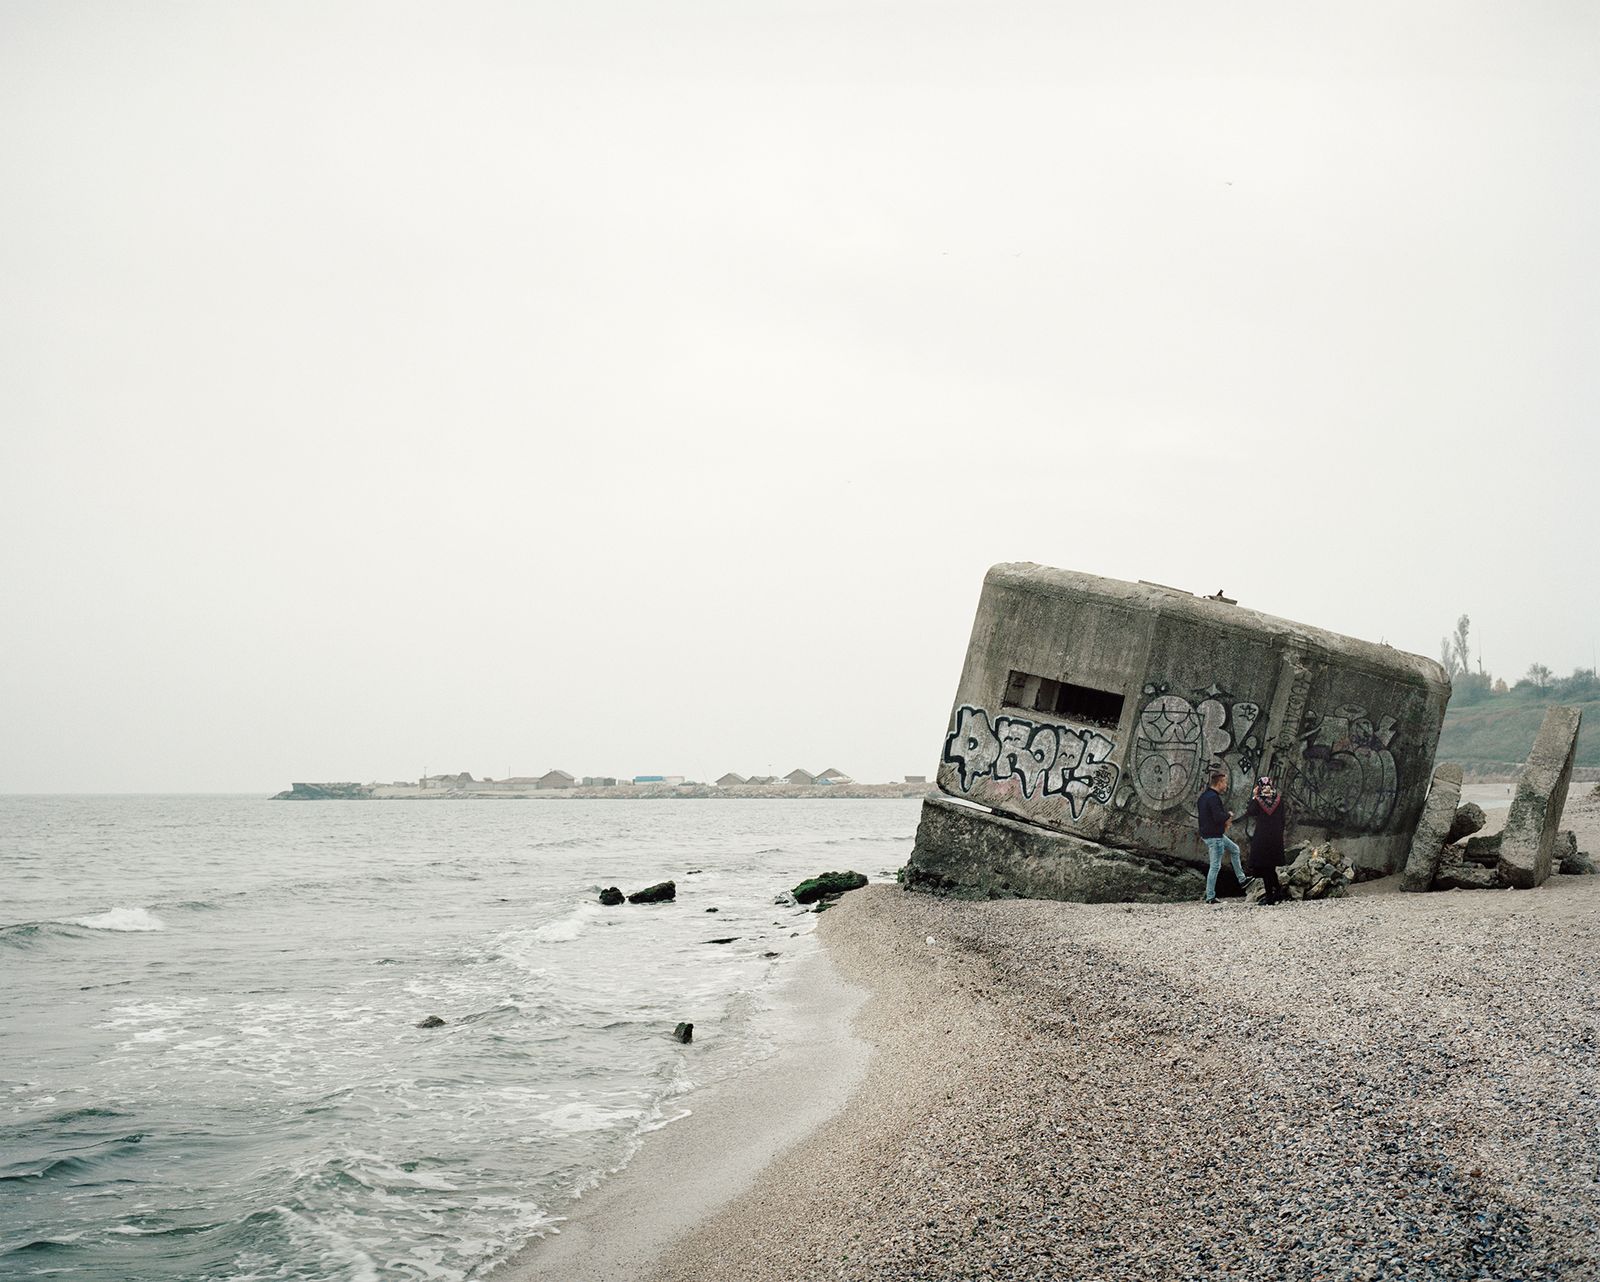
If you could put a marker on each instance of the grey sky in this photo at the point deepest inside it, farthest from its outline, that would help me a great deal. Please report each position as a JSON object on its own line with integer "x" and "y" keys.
{"x": 646, "y": 387}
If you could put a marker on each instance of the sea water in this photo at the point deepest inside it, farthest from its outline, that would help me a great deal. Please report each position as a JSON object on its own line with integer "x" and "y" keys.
{"x": 210, "y": 1065}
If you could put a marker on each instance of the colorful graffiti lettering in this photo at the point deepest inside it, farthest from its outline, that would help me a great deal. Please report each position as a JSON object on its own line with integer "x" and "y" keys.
{"x": 1046, "y": 760}
{"x": 1175, "y": 739}
{"x": 1347, "y": 774}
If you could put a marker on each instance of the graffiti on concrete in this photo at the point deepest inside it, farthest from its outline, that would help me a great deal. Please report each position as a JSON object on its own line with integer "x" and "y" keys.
{"x": 1176, "y": 738}
{"x": 1046, "y": 760}
{"x": 1347, "y": 774}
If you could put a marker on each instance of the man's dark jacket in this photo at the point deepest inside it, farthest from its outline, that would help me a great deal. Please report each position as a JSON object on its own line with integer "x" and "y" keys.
{"x": 1213, "y": 814}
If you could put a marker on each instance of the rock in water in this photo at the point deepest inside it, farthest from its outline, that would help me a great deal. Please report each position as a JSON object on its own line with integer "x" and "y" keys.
{"x": 662, "y": 892}
{"x": 611, "y": 896}
{"x": 1469, "y": 819}
{"x": 827, "y": 883}
{"x": 683, "y": 1033}
{"x": 1438, "y": 816}
{"x": 1530, "y": 832}
{"x": 433, "y": 1021}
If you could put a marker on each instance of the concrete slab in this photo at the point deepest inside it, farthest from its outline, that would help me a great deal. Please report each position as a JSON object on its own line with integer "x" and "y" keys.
{"x": 961, "y": 850}
{"x": 1535, "y": 818}
{"x": 1438, "y": 816}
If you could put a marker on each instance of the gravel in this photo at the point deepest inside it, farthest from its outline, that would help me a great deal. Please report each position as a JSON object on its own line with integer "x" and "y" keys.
{"x": 1382, "y": 1087}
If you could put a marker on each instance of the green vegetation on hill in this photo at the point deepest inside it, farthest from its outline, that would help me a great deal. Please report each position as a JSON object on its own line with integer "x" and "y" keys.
{"x": 1499, "y": 729}
{"x": 1490, "y": 723}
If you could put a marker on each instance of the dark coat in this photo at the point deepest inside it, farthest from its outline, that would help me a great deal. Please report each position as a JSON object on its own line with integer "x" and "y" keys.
{"x": 1213, "y": 814}
{"x": 1266, "y": 842}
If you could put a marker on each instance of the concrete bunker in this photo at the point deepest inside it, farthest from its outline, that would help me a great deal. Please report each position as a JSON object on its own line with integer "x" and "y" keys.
{"x": 1089, "y": 710}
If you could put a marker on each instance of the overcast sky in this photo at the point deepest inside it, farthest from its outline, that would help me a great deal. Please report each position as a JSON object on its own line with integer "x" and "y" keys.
{"x": 641, "y": 388}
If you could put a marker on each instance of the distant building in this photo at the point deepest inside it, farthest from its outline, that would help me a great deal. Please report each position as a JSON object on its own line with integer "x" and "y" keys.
{"x": 556, "y": 779}
{"x": 916, "y": 778}
{"x": 599, "y": 781}
{"x": 762, "y": 779}
{"x": 461, "y": 780}
{"x": 666, "y": 781}
{"x": 802, "y": 777}
{"x": 831, "y": 775}
{"x": 731, "y": 780}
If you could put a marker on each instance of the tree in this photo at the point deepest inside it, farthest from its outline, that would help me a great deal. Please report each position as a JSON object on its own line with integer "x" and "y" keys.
{"x": 1447, "y": 657}
{"x": 1582, "y": 684}
{"x": 1463, "y": 657}
{"x": 1539, "y": 675}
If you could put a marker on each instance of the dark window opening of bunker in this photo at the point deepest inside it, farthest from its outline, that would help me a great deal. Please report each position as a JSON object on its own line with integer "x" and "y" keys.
{"x": 1063, "y": 699}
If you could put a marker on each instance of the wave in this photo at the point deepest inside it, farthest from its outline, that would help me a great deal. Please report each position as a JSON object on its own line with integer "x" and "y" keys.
{"x": 80, "y": 1163}
{"x": 22, "y": 933}
{"x": 120, "y": 919}
{"x": 53, "y": 1166}
{"x": 565, "y": 929}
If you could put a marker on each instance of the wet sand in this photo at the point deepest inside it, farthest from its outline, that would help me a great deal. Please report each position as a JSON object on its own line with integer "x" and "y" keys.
{"x": 686, "y": 1172}
{"x": 1385, "y": 1086}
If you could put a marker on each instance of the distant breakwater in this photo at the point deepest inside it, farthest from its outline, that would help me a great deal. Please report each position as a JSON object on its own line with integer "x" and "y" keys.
{"x": 619, "y": 792}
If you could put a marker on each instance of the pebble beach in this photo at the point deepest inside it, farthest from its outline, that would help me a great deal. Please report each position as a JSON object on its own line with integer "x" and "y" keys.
{"x": 1383, "y": 1086}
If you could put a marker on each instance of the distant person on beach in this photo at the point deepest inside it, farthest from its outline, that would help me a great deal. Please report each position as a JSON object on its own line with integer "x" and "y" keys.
{"x": 1214, "y": 823}
{"x": 1266, "y": 838}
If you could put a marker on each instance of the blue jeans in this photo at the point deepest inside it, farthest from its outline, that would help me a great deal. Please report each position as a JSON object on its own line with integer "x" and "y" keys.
{"x": 1214, "y": 847}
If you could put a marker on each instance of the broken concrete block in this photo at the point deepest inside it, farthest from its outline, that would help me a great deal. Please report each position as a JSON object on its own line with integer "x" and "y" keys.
{"x": 1573, "y": 862}
{"x": 1469, "y": 819}
{"x": 1482, "y": 850}
{"x": 1530, "y": 832}
{"x": 1438, "y": 815}
{"x": 1456, "y": 874}
{"x": 971, "y": 854}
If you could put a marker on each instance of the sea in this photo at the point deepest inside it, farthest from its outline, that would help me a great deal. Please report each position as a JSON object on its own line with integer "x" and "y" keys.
{"x": 211, "y": 1065}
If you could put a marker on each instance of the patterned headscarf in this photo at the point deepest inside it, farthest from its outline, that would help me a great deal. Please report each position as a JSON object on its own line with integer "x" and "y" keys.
{"x": 1267, "y": 794}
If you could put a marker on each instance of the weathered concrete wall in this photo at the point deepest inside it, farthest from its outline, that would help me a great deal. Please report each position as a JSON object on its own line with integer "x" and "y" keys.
{"x": 969, "y": 852}
{"x": 1349, "y": 727}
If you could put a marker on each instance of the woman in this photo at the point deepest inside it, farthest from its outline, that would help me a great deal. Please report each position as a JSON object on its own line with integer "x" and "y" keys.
{"x": 1266, "y": 840}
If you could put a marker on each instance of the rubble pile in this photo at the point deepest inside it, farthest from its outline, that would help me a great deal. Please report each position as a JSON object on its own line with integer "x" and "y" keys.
{"x": 1447, "y": 851}
{"x": 1318, "y": 872}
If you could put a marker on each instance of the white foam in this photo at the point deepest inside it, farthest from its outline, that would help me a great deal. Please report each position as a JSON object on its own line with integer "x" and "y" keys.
{"x": 121, "y": 919}
{"x": 565, "y": 929}
{"x": 583, "y": 1116}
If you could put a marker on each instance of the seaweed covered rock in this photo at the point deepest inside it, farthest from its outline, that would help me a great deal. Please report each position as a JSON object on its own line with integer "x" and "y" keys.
{"x": 661, "y": 893}
{"x": 827, "y": 884}
{"x": 611, "y": 896}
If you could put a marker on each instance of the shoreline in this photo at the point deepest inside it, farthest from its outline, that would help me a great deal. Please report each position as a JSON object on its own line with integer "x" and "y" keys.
{"x": 689, "y": 1170}
{"x": 1386, "y": 1086}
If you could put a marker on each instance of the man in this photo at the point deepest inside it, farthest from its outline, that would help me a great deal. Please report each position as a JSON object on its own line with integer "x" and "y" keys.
{"x": 1214, "y": 823}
